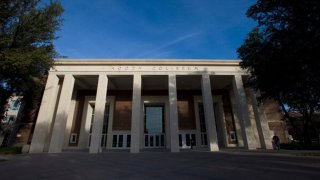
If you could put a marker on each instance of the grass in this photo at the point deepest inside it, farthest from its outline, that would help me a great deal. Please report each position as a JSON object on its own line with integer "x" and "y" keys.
{"x": 10, "y": 150}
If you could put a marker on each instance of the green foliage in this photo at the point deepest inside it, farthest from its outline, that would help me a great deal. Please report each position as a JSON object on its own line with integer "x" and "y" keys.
{"x": 10, "y": 150}
{"x": 27, "y": 31}
{"x": 282, "y": 55}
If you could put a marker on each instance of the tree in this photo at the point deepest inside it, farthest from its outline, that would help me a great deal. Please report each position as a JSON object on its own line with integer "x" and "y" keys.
{"x": 282, "y": 57}
{"x": 27, "y": 31}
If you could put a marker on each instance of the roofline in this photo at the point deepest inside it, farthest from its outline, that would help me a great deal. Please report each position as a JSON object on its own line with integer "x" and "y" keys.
{"x": 209, "y": 62}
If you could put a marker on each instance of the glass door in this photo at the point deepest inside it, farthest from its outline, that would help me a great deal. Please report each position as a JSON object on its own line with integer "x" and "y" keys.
{"x": 154, "y": 127}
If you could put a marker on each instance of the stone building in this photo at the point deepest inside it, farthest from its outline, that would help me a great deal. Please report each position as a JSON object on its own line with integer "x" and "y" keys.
{"x": 97, "y": 105}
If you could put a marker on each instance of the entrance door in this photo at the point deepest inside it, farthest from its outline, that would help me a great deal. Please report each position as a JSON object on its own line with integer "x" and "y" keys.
{"x": 154, "y": 127}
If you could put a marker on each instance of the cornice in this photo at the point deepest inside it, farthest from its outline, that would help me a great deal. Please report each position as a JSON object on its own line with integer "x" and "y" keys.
{"x": 184, "y": 62}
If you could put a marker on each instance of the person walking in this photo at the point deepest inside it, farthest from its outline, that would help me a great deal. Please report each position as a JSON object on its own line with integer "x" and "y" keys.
{"x": 276, "y": 142}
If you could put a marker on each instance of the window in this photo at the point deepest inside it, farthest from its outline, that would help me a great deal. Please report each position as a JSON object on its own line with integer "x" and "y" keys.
{"x": 73, "y": 138}
{"x": 233, "y": 136}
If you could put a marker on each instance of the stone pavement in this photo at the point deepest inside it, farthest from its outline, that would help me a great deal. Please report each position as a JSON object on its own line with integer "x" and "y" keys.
{"x": 226, "y": 164}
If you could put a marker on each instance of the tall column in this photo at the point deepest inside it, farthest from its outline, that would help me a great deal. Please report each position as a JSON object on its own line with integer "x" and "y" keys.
{"x": 241, "y": 102}
{"x": 236, "y": 119}
{"x": 85, "y": 124}
{"x": 261, "y": 121}
{"x": 136, "y": 114}
{"x": 222, "y": 124}
{"x": 174, "y": 141}
{"x": 70, "y": 119}
{"x": 99, "y": 111}
{"x": 45, "y": 116}
{"x": 110, "y": 101}
{"x": 60, "y": 122}
{"x": 253, "y": 118}
{"x": 209, "y": 113}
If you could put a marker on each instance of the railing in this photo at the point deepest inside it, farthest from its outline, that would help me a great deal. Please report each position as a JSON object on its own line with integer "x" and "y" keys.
{"x": 156, "y": 140}
{"x": 187, "y": 140}
{"x": 121, "y": 141}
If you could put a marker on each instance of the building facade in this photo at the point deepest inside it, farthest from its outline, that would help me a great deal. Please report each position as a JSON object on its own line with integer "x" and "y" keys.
{"x": 97, "y": 105}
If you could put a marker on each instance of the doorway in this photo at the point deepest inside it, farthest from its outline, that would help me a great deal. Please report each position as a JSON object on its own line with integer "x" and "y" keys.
{"x": 154, "y": 126}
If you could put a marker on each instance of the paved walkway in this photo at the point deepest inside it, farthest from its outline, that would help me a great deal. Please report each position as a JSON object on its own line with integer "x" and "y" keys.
{"x": 226, "y": 164}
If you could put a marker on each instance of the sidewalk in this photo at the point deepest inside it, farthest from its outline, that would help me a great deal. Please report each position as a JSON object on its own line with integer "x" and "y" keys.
{"x": 193, "y": 164}
{"x": 282, "y": 152}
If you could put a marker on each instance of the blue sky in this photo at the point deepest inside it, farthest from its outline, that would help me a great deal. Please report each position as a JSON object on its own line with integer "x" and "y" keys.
{"x": 178, "y": 29}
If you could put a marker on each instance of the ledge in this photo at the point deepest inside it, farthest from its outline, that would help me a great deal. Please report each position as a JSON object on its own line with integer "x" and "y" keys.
{"x": 185, "y": 62}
